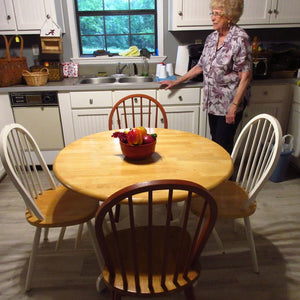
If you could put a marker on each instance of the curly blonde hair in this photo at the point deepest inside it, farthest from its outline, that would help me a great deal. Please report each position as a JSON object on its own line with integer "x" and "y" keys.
{"x": 232, "y": 9}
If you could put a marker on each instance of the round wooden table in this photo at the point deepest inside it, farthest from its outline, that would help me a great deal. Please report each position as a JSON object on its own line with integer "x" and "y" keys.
{"x": 94, "y": 165}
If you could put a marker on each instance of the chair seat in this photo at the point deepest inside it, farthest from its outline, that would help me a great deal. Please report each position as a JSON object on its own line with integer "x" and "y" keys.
{"x": 230, "y": 198}
{"x": 63, "y": 207}
{"x": 143, "y": 253}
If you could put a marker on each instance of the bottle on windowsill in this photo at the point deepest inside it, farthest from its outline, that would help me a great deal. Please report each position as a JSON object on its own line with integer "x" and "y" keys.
{"x": 145, "y": 69}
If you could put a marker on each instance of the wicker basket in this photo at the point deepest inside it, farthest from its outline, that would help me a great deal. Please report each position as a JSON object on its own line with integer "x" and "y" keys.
{"x": 55, "y": 71}
{"x": 36, "y": 78}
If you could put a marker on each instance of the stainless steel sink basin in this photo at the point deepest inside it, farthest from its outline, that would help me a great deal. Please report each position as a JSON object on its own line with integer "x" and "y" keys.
{"x": 96, "y": 80}
{"x": 114, "y": 79}
{"x": 135, "y": 79}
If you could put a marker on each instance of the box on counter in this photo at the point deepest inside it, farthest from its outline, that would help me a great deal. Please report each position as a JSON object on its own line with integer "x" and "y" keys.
{"x": 55, "y": 70}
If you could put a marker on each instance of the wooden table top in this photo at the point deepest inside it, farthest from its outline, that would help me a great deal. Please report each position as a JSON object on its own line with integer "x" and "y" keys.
{"x": 94, "y": 165}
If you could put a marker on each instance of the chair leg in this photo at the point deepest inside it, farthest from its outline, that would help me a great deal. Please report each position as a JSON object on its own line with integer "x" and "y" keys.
{"x": 46, "y": 232}
{"x": 115, "y": 296}
{"x": 100, "y": 285}
{"x": 218, "y": 240}
{"x": 189, "y": 293}
{"x": 35, "y": 245}
{"x": 251, "y": 242}
{"x": 60, "y": 238}
{"x": 79, "y": 235}
{"x": 95, "y": 244}
{"x": 117, "y": 213}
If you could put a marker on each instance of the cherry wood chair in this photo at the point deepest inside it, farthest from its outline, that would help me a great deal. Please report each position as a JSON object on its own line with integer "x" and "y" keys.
{"x": 133, "y": 111}
{"x": 255, "y": 156}
{"x": 47, "y": 205}
{"x": 155, "y": 257}
{"x": 137, "y": 110}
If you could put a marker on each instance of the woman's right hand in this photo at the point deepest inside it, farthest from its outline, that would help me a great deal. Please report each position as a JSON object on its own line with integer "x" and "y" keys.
{"x": 167, "y": 83}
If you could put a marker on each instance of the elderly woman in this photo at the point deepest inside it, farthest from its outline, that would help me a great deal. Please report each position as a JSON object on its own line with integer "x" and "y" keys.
{"x": 226, "y": 63}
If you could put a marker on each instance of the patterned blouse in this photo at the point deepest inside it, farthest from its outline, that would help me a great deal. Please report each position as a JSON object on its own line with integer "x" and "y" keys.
{"x": 221, "y": 67}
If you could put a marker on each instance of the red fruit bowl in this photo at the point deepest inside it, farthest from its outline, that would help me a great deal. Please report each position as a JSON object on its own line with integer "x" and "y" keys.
{"x": 138, "y": 152}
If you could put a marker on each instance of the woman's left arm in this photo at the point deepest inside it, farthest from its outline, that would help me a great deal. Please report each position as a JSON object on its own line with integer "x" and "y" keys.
{"x": 245, "y": 78}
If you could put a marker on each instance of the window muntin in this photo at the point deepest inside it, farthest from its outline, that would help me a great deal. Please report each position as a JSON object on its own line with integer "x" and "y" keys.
{"x": 114, "y": 26}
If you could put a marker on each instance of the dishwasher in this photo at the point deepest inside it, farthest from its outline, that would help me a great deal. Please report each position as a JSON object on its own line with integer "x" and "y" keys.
{"x": 39, "y": 113}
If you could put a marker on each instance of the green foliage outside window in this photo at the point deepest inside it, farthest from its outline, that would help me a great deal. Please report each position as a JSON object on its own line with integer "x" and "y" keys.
{"x": 114, "y": 26}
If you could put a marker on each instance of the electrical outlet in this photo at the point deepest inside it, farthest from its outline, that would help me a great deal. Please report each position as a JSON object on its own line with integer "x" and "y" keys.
{"x": 35, "y": 49}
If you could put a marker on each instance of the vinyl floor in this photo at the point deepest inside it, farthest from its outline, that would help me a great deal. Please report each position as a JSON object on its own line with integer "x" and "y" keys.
{"x": 276, "y": 227}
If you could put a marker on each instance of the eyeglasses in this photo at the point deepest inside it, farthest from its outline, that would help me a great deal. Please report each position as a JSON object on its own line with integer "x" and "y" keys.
{"x": 216, "y": 14}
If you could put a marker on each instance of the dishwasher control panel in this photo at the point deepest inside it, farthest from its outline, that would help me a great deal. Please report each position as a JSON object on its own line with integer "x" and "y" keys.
{"x": 34, "y": 99}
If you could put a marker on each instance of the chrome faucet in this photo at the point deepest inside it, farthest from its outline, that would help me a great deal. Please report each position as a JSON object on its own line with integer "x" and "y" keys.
{"x": 119, "y": 70}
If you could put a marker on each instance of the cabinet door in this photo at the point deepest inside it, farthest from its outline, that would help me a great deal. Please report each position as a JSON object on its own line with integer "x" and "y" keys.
{"x": 294, "y": 126}
{"x": 285, "y": 11}
{"x": 273, "y": 109}
{"x": 6, "y": 117}
{"x": 31, "y": 14}
{"x": 89, "y": 121}
{"x": 256, "y": 12}
{"x": 185, "y": 118}
{"x": 186, "y": 14}
{"x": 7, "y": 16}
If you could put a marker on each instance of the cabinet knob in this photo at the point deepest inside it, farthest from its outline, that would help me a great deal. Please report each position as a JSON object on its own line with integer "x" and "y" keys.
{"x": 180, "y": 13}
{"x": 265, "y": 93}
{"x": 91, "y": 101}
{"x": 180, "y": 98}
{"x": 276, "y": 12}
{"x": 270, "y": 11}
{"x": 162, "y": 120}
{"x": 135, "y": 100}
{"x": 8, "y": 17}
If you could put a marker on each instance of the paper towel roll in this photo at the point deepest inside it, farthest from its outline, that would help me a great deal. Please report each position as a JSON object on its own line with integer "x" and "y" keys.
{"x": 182, "y": 60}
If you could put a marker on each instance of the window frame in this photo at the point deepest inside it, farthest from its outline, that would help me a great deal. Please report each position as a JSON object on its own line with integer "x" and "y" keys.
{"x": 105, "y": 59}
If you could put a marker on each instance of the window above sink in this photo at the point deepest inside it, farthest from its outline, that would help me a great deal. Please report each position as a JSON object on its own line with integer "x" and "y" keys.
{"x": 113, "y": 60}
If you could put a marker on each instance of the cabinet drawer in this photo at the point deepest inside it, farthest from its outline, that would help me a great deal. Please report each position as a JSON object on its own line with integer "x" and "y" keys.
{"x": 118, "y": 95}
{"x": 179, "y": 96}
{"x": 269, "y": 93}
{"x": 91, "y": 99}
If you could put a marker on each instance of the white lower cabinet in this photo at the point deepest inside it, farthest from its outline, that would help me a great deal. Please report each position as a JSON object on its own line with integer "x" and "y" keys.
{"x": 89, "y": 113}
{"x": 271, "y": 99}
{"x": 182, "y": 107}
{"x": 294, "y": 126}
{"x": 185, "y": 118}
{"x": 89, "y": 121}
{"x": 6, "y": 117}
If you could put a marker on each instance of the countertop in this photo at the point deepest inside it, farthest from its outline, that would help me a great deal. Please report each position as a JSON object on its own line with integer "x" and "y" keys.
{"x": 69, "y": 84}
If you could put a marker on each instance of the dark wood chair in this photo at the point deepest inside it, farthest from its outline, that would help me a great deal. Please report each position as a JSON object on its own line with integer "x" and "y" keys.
{"x": 137, "y": 110}
{"x": 155, "y": 257}
{"x": 133, "y": 111}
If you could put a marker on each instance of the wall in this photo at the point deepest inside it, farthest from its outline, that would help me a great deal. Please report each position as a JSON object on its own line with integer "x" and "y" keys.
{"x": 171, "y": 39}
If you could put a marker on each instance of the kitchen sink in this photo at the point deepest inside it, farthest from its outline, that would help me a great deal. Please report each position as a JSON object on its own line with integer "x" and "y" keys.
{"x": 96, "y": 80}
{"x": 114, "y": 79}
{"x": 135, "y": 79}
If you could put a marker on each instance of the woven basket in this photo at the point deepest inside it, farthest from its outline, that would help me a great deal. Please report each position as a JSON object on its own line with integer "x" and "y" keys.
{"x": 36, "y": 78}
{"x": 11, "y": 68}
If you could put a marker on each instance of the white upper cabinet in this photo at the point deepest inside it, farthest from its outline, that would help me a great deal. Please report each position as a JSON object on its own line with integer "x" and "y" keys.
{"x": 188, "y": 14}
{"x": 194, "y": 14}
{"x": 274, "y": 12}
{"x": 26, "y": 16}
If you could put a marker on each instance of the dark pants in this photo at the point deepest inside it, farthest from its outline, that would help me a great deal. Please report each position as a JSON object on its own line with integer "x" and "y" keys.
{"x": 223, "y": 133}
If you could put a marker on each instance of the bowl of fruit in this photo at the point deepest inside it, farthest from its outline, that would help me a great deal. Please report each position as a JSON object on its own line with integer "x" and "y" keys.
{"x": 136, "y": 143}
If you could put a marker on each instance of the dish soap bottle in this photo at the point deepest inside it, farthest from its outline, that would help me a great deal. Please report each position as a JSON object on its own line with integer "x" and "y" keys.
{"x": 145, "y": 69}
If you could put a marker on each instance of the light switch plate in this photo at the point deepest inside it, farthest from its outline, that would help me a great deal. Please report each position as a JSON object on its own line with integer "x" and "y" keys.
{"x": 35, "y": 49}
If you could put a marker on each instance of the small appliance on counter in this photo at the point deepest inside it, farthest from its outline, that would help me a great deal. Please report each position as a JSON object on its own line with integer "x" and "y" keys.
{"x": 260, "y": 67}
{"x": 187, "y": 57}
